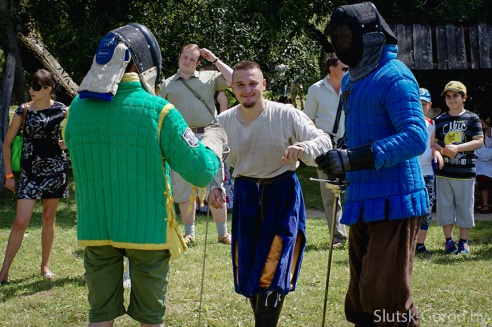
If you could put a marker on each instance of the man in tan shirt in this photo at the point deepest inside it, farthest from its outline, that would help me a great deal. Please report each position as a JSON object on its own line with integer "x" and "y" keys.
{"x": 196, "y": 104}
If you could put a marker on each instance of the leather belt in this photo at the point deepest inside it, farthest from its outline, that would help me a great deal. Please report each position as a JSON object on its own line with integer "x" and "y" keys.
{"x": 197, "y": 130}
{"x": 266, "y": 181}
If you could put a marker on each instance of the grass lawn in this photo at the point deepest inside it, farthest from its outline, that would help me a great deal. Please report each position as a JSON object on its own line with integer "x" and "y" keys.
{"x": 449, "y": 290}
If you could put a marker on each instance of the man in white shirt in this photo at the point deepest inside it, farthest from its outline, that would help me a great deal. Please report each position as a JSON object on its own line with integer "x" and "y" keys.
{"x": 321, "y": 106}
{"x": 266, "y": 140}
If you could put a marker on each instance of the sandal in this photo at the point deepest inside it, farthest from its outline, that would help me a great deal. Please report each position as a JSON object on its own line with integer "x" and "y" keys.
{"x": 49, "y": 275}
{"x": 189, "y": 239}
{"x": 485, "y": 209}
{"x": 224, "y": 239}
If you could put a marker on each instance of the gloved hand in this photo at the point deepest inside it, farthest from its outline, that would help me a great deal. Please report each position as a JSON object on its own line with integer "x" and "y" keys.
{"x": 324, "y": 164}
{"x": 335, "y": 163}
{"x": 215, "y": 138}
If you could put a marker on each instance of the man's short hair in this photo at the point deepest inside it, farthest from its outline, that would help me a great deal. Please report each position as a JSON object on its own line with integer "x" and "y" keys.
{"x": 332, "y": 61}
{"x": 246, "y": 65}
{"x": 190, "y": 46}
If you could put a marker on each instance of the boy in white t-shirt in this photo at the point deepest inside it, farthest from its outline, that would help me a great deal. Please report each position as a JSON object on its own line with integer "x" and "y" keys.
{"x": 427, "y": 159}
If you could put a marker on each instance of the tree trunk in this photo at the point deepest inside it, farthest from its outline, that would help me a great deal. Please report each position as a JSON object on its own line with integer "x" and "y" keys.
{"x": 7, "y": 86}
{"x": 13, "y": 69}
{"x": 67, "y": 88}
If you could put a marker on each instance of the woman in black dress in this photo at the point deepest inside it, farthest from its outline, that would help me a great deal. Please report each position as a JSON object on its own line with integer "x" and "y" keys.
{"x": 44, "y": 167}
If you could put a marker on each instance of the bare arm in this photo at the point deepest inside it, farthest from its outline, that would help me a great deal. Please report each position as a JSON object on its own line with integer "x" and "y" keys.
{"x": 14, "y": 128}
{"x": 216, "y": 198}
{"x": 292, "y": 154}
{"x": 444, "y": 151}
{"x": 468, "y": 146}
{"x": 224, "y": 69}
{"x": 438, "y": 159}
{"x": 223, "y": 101}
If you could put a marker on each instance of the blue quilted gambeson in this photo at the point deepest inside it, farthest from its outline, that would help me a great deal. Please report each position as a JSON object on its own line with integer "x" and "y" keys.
{"x": 384, "y": 109}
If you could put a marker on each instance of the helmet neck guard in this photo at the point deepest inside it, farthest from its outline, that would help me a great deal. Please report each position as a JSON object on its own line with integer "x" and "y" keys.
{"x": 116, "y": 50}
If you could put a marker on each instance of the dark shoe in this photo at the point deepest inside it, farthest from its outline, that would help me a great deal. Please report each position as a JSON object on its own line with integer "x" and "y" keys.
{"x": 422, "y": 250}
{"x": 485, "y": 210}
{"x": 268, "y": 308}
{"x": 463, "y": 248}
{"x": 450, "y": 247}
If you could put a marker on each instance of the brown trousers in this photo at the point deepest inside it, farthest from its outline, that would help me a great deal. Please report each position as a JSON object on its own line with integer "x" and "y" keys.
{"x": 381, "y": 258}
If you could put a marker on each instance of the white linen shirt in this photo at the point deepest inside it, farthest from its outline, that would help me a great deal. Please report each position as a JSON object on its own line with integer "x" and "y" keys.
{"x": 321, "y": 106}
{"x": 256, "y": 148}
{"x": 425, "y": 159}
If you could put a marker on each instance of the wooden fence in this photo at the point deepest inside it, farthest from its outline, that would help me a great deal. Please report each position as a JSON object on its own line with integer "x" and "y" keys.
{"x": 444, "y": 47}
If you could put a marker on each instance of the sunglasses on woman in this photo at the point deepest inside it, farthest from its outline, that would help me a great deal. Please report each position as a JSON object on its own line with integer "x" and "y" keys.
{"x": 344, "y": 68}
{"x": 37, "y": 87}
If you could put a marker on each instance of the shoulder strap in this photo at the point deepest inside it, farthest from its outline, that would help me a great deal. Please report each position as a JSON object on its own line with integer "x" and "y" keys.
{"x": 341, "y": 141}
{"x": 162, "y": 115}
{"x": 343, "y": 98}
{"x": 197, "y": 96}
{"x": 338, "y": 116}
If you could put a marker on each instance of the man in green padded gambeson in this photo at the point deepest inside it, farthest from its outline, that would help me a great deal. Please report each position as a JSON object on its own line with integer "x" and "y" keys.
{"x": 122, "y": 138}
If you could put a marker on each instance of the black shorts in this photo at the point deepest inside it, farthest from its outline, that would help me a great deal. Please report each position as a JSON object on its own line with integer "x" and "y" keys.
{"x": 484, "y": 182}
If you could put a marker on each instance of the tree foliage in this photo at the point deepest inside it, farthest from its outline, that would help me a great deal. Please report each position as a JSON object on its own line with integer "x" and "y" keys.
{"x": 289, "y": 38}
{"x": 286, "y": 33}
{"x": 271, "y": 32}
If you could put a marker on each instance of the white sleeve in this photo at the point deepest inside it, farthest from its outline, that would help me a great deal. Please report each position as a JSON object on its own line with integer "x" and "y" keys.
{"x": 311, "y": 104}
{"x": 313, "y": 140}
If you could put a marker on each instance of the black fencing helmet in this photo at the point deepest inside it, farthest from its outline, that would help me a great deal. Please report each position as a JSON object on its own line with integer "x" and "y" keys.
{"x": 363, "y": 19}
{"x": 144, "y": 50}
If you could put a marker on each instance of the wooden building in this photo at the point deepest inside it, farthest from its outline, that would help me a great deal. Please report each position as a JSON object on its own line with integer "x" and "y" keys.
{"x": 444, "y": 47}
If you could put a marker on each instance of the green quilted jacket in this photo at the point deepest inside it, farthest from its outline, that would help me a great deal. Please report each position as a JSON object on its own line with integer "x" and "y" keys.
{"x": 119, "y": 151}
